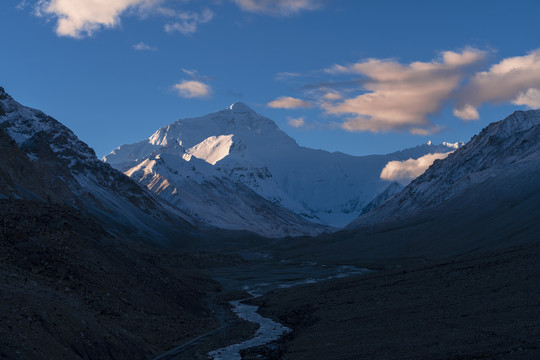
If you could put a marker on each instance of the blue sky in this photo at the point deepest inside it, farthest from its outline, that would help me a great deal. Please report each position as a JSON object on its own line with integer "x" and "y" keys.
{"x": 353, "y": 76}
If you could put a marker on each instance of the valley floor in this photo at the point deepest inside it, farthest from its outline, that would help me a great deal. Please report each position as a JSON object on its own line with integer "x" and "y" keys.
{"x": 484, "y": 306}
{"x": 68, "y": 290}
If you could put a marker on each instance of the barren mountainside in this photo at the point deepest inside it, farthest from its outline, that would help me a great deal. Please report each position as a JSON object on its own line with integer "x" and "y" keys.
{"x": 509, "y": 147}
{"x": 46, "y": 161}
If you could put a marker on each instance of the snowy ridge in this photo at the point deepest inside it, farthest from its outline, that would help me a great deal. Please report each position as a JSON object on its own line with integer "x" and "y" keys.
{"x": 509, "y": 146}
{"x": 248, "y": 149}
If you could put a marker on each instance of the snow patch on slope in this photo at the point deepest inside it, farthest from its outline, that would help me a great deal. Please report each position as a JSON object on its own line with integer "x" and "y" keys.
{"x": 212, "y": 149}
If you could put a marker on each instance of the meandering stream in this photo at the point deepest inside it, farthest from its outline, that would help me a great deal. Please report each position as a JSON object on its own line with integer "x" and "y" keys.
{"x": 259, "y": 281}
{"x": 268, "y": 331}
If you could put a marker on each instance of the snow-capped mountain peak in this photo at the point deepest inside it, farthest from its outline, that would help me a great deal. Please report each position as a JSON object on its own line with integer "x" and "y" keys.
{"x": 244, "y": 147}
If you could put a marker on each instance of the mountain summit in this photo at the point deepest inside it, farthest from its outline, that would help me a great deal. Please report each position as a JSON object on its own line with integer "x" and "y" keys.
{"x": 242, "y": 148}
{"x": 240, "y": 107}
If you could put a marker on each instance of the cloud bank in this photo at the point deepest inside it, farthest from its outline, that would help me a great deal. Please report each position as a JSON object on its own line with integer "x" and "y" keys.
{"x": 397, "y": 96}
{"x": 405, "y": 171}
{"x": 380, "y": 95}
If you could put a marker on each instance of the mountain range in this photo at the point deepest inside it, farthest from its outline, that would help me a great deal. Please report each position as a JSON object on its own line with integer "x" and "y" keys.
{"x": 236, "y": 170}
{"x": 77, "y": 281}
{"x": 198, "y": 163}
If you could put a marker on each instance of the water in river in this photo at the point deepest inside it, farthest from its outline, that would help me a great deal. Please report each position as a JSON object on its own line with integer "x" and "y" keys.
{"x": 257, "y": 279}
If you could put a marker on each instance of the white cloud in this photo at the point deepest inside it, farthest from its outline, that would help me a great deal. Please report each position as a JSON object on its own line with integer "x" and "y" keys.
{"x": 79, "y": 18}
{"x": 278, "y": 7}
{"x": 192, "y": 89}
{"x": 188, "y": 22}
{"x": 296, "y": 122}
{"x": 529, "y": 97}
{"x": 144, "y": 47}
{"x": 467, "y": 112}
{"x": 455, "y": 145}
{"x": 397, "y": 96}
{"x": 514, "y": 79}
{"x": 405, "y": 171}
{"x": 287, "y": 102}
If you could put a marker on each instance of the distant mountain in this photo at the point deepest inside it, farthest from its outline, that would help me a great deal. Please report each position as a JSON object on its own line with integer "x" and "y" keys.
{"x": 44, "y": 160}
{"x": 213, "y": 166}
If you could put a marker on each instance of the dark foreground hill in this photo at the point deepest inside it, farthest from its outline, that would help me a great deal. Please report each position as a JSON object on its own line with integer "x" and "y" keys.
{"x": 69, "y": 291}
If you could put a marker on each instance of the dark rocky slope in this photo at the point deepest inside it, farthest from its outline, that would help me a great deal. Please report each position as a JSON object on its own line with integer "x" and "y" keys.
{"x": 69, "y": 291}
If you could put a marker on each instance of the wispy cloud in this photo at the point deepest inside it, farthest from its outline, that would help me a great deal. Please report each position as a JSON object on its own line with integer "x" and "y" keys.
{"x": 405, "y": 171}
{"x": 79, "y": 18}
{"x": 278, "y": 7}
{"x": 194, "y": 74}
{"x": 192, "y": 89}
{"x": 188, "y": 23}
{"x": 286, "y": 75}
{"x": 144, "y": 47}
{"x": 21, "y": 5}
{"x": 515, "y": 80}
{"x": 287, "y": 102}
